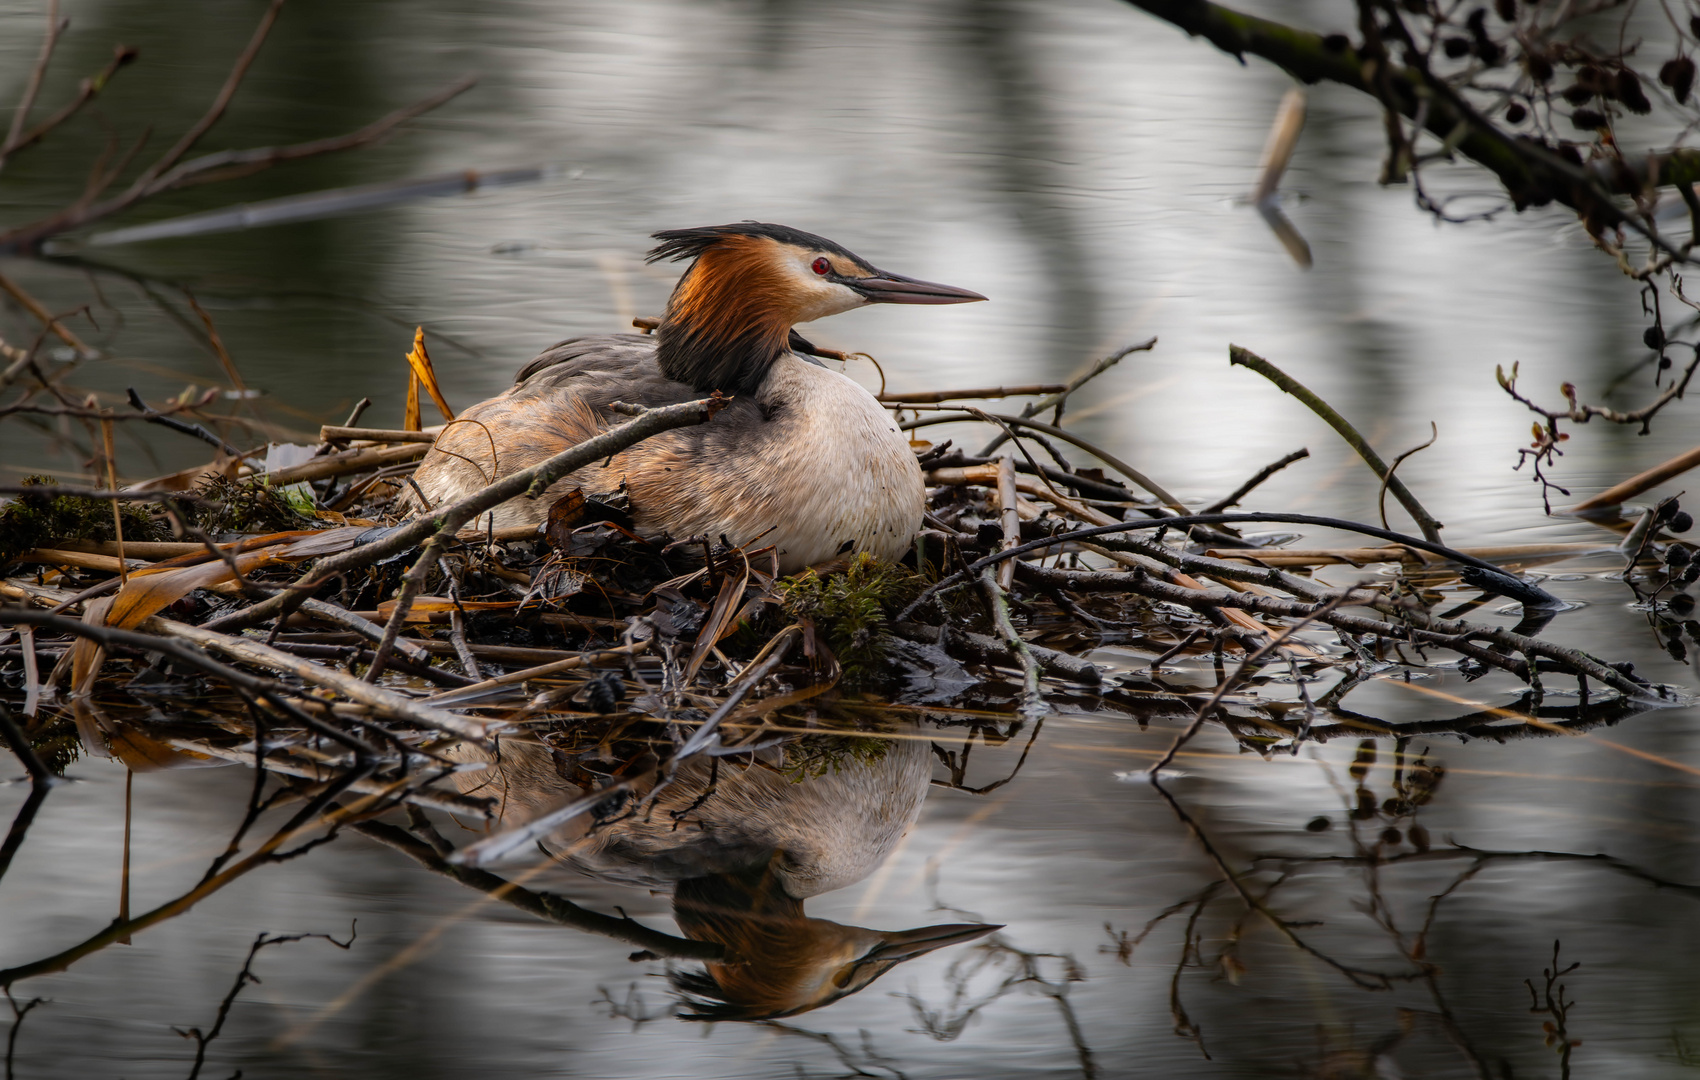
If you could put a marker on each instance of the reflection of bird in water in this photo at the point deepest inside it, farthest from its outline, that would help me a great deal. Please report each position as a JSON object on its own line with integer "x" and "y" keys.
{"x": 780, "y": 961}
{"x": 802, "y": 456}
{"x": 742, "y": 846}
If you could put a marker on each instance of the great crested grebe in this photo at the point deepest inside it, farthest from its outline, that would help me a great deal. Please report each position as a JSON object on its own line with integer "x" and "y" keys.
{"x": 802, "y": 457}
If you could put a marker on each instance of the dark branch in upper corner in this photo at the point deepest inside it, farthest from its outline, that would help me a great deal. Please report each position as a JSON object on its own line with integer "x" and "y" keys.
{"x": 169, "y": 172}
{"x": 1532, "y": 172}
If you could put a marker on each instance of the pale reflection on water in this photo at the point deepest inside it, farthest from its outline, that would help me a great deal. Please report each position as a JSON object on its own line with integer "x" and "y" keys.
{"x": 1081, "y": 165}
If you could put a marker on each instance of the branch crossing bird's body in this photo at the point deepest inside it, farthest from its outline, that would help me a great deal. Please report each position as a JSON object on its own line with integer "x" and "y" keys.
{"x": 802, "y": 457}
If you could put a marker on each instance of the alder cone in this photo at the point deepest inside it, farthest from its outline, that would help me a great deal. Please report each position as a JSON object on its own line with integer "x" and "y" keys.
{"x": 1630, "y": 93}
{"x": 1678, "y": 74}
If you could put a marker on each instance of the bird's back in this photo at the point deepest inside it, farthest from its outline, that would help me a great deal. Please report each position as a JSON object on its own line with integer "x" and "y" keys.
{"x": 828, "y": 830}
{"x": 558, "y": 400}
{"x": 810, "y": 463}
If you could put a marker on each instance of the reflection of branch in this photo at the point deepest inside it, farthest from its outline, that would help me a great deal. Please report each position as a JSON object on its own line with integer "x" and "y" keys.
{"x": 169, "y": 171}
{"x": 858, "y": 1066}
{"x": 959, "y": 767}
{"x": 1552, "y": 1002}
{"x": 1460, "y": 851}
{"x": 545, "y": 906}
{"x": 948, "y": 1023}
{"x": 41, "y": 778}
{"x": 1368, "y": 980}
{"x": 243, "y": 978}
{"x": 18, "y": 1014}
{"x": 320, "y": 810}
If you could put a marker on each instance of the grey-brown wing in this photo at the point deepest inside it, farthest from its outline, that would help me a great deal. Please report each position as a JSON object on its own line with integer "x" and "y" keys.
{"x": 607, "y": 368}
{"x": 621, "y": 356}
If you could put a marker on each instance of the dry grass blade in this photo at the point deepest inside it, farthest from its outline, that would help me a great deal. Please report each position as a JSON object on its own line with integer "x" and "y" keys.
{"x": 419, "y": 362}
{"x": 719, "y": 622}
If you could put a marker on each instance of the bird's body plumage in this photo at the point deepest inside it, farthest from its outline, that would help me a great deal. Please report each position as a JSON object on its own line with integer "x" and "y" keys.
{"x": 760, "y": 469}
{"x": 802, "y": 457}
{"x": 826, "y": 831}
{"x": 742, "y": 843}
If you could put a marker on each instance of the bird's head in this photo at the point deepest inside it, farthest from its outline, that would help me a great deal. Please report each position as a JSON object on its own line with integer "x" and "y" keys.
{"x": 779, "y": 962}
{"x": 731, "y": 314}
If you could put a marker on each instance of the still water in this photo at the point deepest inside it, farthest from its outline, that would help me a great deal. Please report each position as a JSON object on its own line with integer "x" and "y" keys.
{"x": 1083, "y": 166}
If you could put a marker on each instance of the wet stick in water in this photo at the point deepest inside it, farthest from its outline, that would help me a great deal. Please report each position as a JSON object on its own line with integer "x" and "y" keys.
{"x": 997, "y": 599}
{"x": 41, "y": 779}
{"x": 1607, "y": 502}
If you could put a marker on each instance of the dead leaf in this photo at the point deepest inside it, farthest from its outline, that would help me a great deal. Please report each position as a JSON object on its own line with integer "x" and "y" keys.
{"x": 87, "y": 656}
{"x": 144, "y": 753}
{"x": 420, "y": 361}
{"x": 150, "y": 591}
{"x": 410, "y": 415}
{"x": 565, "y": 514}
{"x": 719, "y": 622}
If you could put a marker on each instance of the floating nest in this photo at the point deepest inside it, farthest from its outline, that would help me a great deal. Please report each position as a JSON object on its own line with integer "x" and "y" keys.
{"x": 294, "y": 621}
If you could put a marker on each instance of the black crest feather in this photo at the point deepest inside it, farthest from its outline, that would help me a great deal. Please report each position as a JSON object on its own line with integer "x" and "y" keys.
{"x": 677, "y": 244}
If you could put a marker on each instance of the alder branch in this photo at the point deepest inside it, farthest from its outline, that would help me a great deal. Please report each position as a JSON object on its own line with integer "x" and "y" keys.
{"x": 1531, "y": 173}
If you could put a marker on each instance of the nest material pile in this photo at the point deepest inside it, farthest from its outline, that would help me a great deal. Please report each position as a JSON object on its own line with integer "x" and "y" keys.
{"x": 357, "y": 645}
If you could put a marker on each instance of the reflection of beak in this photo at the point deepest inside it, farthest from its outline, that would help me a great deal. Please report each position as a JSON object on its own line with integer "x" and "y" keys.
{"x": 908, "y": 944}
{"x": 884, "y": 288}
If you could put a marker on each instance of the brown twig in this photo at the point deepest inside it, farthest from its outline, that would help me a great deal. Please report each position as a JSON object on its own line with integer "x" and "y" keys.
{"x": 55, "y": 27}
{"x": 1289, "y": 385}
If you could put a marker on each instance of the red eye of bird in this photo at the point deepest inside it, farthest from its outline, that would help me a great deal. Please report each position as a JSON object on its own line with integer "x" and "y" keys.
{"x": 822, "y": 267}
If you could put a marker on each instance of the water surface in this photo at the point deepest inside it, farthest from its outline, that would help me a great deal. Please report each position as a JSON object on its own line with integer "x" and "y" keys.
{"x": 1083, "y": 166}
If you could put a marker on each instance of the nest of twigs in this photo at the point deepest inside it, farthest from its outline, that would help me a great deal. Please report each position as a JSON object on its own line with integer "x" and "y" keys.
{"x": 295, "y": 621}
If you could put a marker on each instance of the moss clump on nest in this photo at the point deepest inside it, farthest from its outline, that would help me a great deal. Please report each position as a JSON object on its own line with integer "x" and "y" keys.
{"x": 247, "y": 507}
{"x": 57, "y": 744}
{"x": 850, "y": 610}
{"x": 813, "y": 756}
{"x": 32, "y": 521}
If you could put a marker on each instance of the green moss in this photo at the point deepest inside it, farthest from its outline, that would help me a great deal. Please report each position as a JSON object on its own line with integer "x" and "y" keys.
{"x": 32, "y": 521}
{"x": 249, "y": 507}
{"x": 814, "y": 756}
{"x": 57, "y": 744}
{"x": 850, "y": 610}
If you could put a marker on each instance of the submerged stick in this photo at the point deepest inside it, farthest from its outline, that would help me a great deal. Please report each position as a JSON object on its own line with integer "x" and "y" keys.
{"x": 1425, "y": 521}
